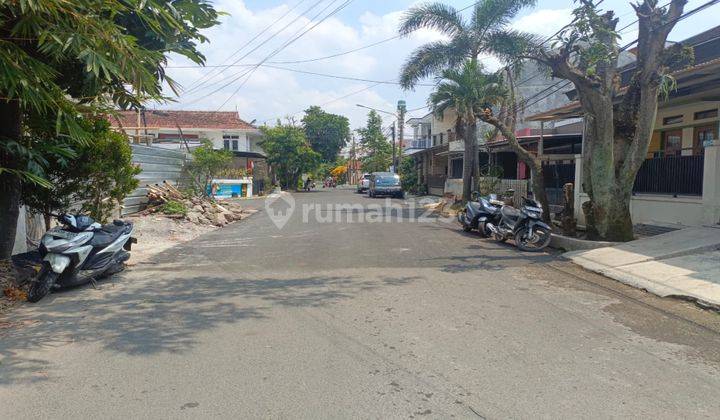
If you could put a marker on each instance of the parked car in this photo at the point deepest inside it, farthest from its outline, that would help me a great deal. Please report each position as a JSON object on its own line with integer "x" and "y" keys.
{"x": 385, "y": 183}
{"x": 364, "y": 183}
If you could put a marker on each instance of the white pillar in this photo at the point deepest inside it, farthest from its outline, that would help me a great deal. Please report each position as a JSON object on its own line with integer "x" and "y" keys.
{"x": 711, "y": 183}
{"x": 20, "y": 233}
{"x": 579, "y": 215}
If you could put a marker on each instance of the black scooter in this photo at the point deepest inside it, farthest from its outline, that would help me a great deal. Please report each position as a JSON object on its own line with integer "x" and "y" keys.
{"x": 79, "y": 251}
{"x": 524, "y": 226}
{"x": 477, "y": 214}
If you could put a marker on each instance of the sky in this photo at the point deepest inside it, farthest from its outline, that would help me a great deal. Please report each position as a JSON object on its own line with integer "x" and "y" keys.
{"x": 270, "y": 93}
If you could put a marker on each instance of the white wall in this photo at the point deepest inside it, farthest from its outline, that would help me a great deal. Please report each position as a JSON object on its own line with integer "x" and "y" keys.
{"x": 658, "y": 210}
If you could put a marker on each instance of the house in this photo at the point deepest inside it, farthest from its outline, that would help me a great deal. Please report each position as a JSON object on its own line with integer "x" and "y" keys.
{"x": 439, "y": 155}
{"x": 679, "y": 183}
{"x": 183, "y": 130}
{"x": 430, "y": 148}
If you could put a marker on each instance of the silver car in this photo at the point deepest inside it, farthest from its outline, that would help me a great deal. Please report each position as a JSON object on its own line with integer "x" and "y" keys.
{"x": 364, "y": 183}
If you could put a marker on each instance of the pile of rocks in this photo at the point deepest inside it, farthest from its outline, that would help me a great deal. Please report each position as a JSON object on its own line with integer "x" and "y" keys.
{"x": 199, "y": 210}
{"x": 206, "y": 212}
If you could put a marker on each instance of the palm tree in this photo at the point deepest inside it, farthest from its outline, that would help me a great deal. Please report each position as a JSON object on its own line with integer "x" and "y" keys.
{"x": 467, "y": 39}
{"x": 466, "y": 90}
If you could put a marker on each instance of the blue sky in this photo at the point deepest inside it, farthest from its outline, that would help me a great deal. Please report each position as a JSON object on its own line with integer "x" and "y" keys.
{"x": 270, "y": 93}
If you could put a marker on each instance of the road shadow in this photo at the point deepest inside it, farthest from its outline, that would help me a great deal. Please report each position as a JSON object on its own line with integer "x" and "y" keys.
{"x": 486, "y": 254}
{"x": 161, "y": 317}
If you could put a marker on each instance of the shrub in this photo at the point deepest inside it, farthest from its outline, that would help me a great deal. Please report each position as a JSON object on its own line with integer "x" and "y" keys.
{"x": 207, "y": 163}
{"x": 174, "y": 207}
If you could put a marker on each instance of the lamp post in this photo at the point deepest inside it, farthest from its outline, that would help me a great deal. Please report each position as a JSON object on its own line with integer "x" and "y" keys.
{"x": 400, "y": 120}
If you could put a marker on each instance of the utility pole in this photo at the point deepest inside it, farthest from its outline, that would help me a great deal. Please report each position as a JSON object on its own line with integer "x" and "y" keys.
{"x": 394, "y": 168}
{"x": 401, "y": 108}
{"x": 353, "y": 163}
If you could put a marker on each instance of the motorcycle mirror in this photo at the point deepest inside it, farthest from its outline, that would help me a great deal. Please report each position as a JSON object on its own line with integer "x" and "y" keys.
{"x": 474, "y": 195}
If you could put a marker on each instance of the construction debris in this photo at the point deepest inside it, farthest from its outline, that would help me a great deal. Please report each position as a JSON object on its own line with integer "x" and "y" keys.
{"x": 196, "y": 210}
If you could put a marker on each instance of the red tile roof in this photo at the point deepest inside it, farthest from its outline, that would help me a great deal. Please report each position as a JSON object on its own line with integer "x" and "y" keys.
{"x": 185, "y": 119}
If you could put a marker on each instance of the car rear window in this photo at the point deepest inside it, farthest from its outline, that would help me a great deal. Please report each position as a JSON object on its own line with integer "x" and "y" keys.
{"x": 366, "y": 176}
{"x": 387, "y": 180}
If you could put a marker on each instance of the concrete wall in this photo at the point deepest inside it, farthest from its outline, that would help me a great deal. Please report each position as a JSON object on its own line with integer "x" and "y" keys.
{"x": 666, "y": 209}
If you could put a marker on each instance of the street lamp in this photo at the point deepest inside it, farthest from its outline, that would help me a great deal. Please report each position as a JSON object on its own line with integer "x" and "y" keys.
{"x": 400, "y": 120}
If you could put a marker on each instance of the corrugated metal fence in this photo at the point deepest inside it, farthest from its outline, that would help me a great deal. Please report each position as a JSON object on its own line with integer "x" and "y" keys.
{"x": 157, "y": 165}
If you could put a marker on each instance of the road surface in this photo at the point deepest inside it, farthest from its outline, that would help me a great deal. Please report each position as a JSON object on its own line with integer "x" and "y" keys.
{"x": 361, "y": 318}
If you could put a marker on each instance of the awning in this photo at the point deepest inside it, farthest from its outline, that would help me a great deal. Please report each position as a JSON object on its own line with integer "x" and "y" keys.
{"x": 257, "y": 155}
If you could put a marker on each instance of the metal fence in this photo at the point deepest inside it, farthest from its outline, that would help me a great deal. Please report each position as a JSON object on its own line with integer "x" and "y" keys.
{"x": 677, "y": 175}
{"x": 157, "y": 165}
{"x": 501, "y": 186}
{"x": 556, "y": 175}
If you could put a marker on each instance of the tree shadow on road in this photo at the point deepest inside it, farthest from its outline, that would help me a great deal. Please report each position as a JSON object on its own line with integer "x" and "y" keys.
{"x": 144, "y": 318}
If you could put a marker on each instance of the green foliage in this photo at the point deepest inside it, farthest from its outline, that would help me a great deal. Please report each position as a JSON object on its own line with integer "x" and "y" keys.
{"x": 174, "y": 207}
{"x": 377, "y": 151}
{"x": 408, "y": 175}
{"x": 206, "y": 164}
{"x": 327, "y": 133}
{"x": 289, "y": 153}
{"x": 466, "y": 38}
{"x": 56, "y": 56}
{"x": 99, "y": 175}
{"x": 467, "y": 90}
{"x": 489, "y": 180}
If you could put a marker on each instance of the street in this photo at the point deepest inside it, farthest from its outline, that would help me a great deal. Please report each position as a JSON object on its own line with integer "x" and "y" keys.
{"x": 332, "y": 317}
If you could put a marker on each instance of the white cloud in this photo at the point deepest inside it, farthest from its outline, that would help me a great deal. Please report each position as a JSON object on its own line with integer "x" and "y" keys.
{"x": 544, "y": 22}
{"x": 272, "y": 93}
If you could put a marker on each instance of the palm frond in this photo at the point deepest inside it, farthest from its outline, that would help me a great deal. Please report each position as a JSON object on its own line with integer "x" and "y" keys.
{"x": 432, "y": 58}
{"x": 442, "y": 17}
{"x": 508, "y": 45}
{"x": 493, "y": 15}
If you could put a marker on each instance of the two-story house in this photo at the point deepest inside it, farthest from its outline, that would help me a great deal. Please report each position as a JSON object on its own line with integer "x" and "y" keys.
{"x": 184, "y": 130}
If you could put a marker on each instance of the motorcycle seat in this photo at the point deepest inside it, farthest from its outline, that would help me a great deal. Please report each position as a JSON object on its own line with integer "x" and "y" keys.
{"x": 109, "y": 233}
{"x": 510, "y": 212}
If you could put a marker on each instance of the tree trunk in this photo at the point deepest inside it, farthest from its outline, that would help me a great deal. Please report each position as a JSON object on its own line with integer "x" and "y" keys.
{"x": 10, "y": 188}
{"x": 468, "y": 160}
{"x": 538, "y": 184}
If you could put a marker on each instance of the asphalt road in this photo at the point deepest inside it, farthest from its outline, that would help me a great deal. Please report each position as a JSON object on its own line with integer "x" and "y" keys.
{"x": 360, "y": 318}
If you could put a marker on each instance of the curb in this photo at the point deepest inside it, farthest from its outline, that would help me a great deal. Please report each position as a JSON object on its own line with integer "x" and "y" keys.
{"x": 568, "y": 243}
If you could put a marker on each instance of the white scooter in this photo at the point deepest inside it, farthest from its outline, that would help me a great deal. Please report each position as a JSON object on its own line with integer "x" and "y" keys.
{"x": 79, "y": 251}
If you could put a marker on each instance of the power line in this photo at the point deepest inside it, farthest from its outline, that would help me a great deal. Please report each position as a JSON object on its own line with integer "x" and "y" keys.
{"x": 254, "y": 67}
{"x": 208, "y": 76}
{"x": 286, "y": 44}
{"x": 195, "y": 88}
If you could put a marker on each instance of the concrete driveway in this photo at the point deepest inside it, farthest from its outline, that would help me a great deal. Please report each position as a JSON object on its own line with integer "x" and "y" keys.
{"x": 333, "y": 318}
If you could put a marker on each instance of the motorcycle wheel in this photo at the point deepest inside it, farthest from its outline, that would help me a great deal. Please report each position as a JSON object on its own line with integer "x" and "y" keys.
{"x": 483, "y": 230}
{"x": 42, "y": 285}
{"x": 522, "y": 241}
{"x": 461, "y": 220}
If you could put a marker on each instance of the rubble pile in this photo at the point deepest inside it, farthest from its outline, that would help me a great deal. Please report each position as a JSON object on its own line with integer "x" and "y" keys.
{"x": 196, "y": 210}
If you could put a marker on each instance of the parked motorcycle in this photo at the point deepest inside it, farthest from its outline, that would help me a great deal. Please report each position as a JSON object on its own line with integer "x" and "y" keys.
{"x": 524, "y": 226}
{"x": 478, "y": 213}
{"x": 79, "y": 251}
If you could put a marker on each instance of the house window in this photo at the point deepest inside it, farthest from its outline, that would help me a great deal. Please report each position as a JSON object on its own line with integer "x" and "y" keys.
{"x": 231, "y": 139}
{"x": 456, "y": 170}
{"x": 675, "y": 119}
{"x": 672, "y": 143}
{"x": 703, "y": 134}
{"x": 441, "y": 138}
{"x": 434, "y": 137}
{"x": 710, "y": 113}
